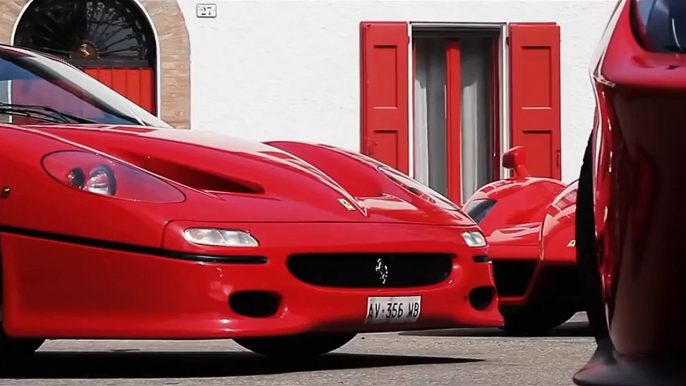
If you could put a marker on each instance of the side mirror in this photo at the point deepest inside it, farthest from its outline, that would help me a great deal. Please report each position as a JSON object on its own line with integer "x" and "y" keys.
{"x": 515, "y": 159}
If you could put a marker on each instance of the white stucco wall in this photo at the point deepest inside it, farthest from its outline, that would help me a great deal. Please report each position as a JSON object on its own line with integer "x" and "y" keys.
{"x": 291, "y": 69}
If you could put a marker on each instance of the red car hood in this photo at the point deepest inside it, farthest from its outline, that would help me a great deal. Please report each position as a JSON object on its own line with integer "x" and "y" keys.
{"x": 260, "y": 182}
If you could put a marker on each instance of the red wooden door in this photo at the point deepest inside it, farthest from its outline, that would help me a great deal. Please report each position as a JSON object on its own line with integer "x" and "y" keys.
{"x": 136, "y": 84}
{"x": 535, "y": 95}
{"x": 385, "y": 127}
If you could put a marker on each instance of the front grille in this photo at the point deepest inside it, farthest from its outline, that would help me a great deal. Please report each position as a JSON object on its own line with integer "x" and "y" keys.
{"x": 366, "y": 270}
{"x": 512, "y": 278}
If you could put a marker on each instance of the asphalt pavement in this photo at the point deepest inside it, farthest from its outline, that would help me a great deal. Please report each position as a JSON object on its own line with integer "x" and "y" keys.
{"x": 473, "y": 357}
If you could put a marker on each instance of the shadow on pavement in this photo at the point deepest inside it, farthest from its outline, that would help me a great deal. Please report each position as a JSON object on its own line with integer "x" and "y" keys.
{"x": 570, "y": 329}
{"x": 53, "y": 365}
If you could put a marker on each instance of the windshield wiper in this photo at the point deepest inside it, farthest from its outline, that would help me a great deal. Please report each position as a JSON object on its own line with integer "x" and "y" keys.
{"x": 10, "y": 108}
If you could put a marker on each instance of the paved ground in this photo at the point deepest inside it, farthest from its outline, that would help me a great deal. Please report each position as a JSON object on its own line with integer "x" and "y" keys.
{"x": 454, "y": 357}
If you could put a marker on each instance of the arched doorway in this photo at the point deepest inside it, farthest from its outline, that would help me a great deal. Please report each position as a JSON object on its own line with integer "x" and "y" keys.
{"x": 110, "y": 40}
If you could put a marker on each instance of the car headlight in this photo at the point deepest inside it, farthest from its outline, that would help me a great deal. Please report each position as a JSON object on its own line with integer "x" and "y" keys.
{"x": 219, "y": 237}
{"x": 101, "y": 175}
{"x": 474, "y": 239}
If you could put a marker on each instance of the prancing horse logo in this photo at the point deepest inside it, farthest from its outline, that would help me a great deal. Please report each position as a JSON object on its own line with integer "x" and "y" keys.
{"x": 382, "y": 270}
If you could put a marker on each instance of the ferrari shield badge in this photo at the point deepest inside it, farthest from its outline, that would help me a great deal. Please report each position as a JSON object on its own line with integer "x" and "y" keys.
{"x": 346, "y": 204}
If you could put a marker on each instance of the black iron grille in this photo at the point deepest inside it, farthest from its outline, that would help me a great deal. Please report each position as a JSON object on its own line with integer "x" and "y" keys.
{"x": 512, "y": 278}
{"x": 371, "y": 270}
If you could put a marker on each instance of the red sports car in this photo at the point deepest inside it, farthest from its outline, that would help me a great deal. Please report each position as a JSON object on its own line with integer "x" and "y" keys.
{"x": 529, "y": 225}
{"x": 114, "y": 225}
{"x": 631, "y": 221}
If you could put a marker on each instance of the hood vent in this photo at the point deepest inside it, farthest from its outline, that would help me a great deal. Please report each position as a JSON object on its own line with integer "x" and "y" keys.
{"x": 193, "y": 177}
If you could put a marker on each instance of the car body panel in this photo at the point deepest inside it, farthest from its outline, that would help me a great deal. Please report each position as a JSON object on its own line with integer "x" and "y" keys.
{"x": 529, "y": 231}
{"x": 109, "y": 293}
{"x": 115, "y": 261}
{"x": 638, "y": 183}
{"x": 77, "y": 272}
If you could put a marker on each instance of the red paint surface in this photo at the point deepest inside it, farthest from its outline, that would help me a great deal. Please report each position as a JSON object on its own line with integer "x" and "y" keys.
{"x": 529, "y": 223}
{"x": 639, "y": 180}
{"x": 535, "y": 95}
{"x": 385, "y": 70}
{"x": 289, "y": 205}
{"x": 454, "y": 119}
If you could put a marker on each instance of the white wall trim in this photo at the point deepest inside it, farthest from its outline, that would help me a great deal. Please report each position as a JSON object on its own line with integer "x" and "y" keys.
{"x": 158, "y": 66}
{"x": 410, "y": 101}
{"x": 419, "y": 24}
{"x": 505, "y": 139}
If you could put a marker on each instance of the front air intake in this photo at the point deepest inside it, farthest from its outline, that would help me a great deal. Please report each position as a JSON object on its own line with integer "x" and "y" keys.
{"x": 371, "y": 270}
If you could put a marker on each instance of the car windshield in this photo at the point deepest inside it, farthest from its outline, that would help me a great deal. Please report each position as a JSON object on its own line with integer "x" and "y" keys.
{"x": 27, "y": 78}
{"x": 661, "y": 25}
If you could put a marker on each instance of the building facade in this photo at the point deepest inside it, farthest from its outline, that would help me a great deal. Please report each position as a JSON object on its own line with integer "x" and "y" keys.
{"x": 437, "y": 89}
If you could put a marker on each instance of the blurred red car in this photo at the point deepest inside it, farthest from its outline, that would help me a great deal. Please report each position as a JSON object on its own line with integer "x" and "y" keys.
{"x": 631, "y": 220}
{"x": 529, "y": 225}
{"x": 114, "y": 225}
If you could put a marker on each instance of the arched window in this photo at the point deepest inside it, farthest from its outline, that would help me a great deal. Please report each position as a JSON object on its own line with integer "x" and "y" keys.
{"x": 111, "y": 40}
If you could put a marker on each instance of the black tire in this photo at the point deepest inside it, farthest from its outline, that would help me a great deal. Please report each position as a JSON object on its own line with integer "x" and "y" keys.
{"x": 586, "y": 252}
{"x": 296, "y": 346}
{"x": 12, "y": 349}
{"x": 536, "y": 320}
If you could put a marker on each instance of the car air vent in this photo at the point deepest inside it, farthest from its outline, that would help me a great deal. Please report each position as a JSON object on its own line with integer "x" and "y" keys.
{"x": 371, "y": 270}
{"x": 192, "y": 177}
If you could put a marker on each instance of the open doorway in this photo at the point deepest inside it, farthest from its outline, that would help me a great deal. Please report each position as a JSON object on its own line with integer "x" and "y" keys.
{"x": 456, "y": 93}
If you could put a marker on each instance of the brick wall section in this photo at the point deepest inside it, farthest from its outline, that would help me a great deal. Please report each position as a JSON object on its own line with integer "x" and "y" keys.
{"x": 175, "y": 60}
{"x": 175, "y": 54}
{"x": 9, "y": 11}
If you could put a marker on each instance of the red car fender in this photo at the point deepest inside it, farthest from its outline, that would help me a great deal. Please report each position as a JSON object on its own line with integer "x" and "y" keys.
{"x": 517, "y": 200}
{"x": 557, "y": 241}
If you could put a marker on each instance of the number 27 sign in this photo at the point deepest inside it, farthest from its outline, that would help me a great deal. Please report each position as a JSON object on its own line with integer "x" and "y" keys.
{"x": 206, "y": 10}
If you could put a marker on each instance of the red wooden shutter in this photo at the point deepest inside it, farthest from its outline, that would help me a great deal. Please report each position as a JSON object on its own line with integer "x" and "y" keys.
{"x": 535, "y": 95}
{"x": 385, "y": 132}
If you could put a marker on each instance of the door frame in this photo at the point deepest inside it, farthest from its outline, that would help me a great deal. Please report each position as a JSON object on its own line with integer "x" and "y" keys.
{"x": 502, "y": 138}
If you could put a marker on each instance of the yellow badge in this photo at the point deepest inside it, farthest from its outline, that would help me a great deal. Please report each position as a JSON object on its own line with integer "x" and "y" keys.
{"x": 346, "y": 204}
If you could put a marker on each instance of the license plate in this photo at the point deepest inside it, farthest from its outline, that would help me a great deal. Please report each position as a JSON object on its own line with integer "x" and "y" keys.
{"x": 402, "y": 309}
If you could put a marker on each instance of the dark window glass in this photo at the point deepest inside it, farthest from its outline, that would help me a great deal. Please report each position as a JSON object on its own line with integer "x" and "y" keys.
{"x": 31, "y": 79}
{"x": 478, "y": 209}
{"x": 660, "y": 25}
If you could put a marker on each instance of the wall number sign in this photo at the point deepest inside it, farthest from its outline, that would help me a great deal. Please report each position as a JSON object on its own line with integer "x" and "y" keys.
{"x": 206, "y": 11}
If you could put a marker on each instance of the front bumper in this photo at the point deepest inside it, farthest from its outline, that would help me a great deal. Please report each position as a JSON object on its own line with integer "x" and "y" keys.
{"x": 87, "y": 291}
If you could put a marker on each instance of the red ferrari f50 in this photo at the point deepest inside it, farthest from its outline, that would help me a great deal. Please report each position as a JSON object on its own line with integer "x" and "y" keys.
{"x": 114, "y": 225}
